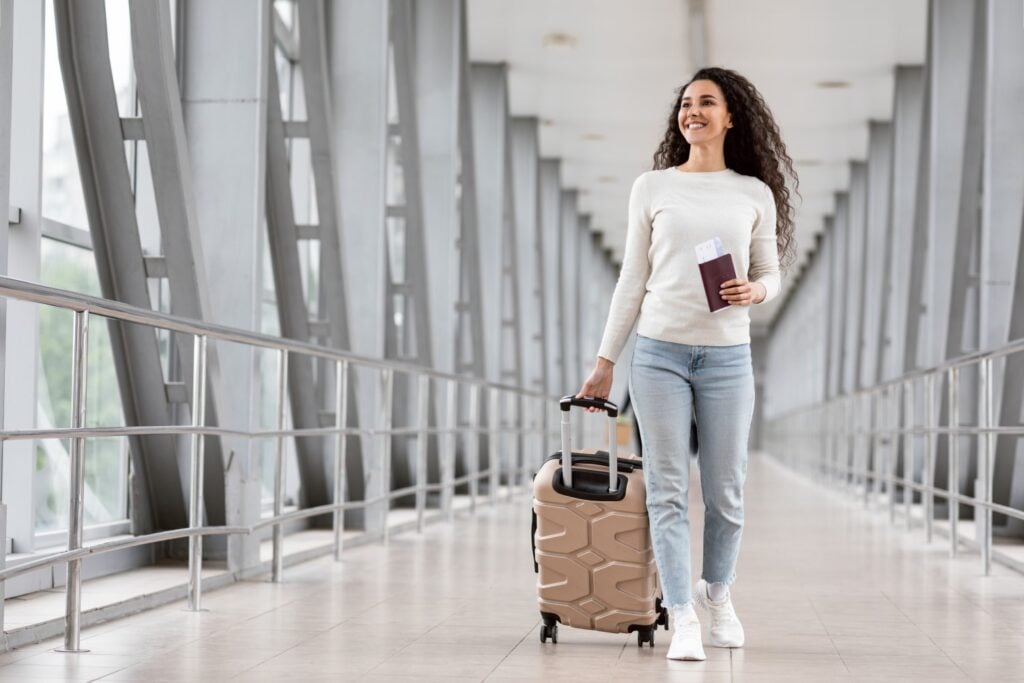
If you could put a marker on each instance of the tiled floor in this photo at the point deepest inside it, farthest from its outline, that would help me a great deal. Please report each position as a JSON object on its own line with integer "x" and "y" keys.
{"x": 826, "y": 591}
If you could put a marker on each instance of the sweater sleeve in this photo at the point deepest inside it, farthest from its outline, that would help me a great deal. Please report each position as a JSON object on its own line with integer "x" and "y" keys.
{"x": 636, "y": 268}
{"x": 764, "y": 253}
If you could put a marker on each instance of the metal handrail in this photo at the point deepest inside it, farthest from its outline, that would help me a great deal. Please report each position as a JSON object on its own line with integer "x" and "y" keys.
{"x": 83, "y": 306}
{"x": 841, "y": 438}
{"x": 41, "y": 294}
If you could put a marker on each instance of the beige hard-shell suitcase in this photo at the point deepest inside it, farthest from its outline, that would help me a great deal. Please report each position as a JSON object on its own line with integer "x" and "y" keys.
{"x": 592, "y": 545}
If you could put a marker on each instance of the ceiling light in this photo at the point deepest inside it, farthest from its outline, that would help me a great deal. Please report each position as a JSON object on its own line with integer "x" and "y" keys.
{"x": 607, "y": 179}
{"x": 833, "y": 85}
{"x": 592, "y": 136}
{"x": 558, "y": 39}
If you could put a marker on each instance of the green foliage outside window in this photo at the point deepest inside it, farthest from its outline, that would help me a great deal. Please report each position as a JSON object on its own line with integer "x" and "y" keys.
{"x": 71, "y": 268}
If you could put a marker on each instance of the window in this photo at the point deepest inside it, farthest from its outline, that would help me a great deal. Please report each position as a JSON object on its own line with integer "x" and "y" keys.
{"x": 106, "y": 459}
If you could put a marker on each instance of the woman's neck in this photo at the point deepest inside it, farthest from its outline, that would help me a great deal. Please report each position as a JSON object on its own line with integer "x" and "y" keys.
{"x": 704, "y": 160}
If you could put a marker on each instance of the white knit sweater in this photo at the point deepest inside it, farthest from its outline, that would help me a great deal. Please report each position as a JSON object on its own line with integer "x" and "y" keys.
{"x": 670, "y": 212}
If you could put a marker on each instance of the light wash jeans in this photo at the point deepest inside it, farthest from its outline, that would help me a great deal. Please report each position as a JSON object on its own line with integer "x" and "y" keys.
{"x": 668, "y": 384}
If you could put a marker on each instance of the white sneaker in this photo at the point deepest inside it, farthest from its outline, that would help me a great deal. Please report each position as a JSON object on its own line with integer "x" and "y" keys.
{"x": 686, "y": 641}
{"x": 726, "y": 630}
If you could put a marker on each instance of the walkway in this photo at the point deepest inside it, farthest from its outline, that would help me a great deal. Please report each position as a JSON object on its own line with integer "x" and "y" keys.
{"x": 826, "y": 591}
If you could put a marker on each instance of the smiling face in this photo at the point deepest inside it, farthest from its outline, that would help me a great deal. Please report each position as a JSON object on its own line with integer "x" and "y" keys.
{"x": 703, "y": 115}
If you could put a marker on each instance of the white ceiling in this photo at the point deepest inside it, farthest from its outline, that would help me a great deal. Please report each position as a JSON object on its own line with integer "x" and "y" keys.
{"x": 618, "y": 82}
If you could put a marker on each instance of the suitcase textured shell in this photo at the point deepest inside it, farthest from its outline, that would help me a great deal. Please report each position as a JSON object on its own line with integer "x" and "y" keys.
{"x": 596, "y": 565}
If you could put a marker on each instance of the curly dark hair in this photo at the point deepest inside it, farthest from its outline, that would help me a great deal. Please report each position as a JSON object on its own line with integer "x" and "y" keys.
{"x": 753, "y": 146}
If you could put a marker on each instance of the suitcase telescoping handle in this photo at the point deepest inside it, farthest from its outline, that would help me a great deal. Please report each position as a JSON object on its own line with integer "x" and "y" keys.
{"x": 566, "y": 404}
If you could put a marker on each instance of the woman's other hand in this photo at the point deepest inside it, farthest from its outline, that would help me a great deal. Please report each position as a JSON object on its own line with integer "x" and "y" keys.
{"x": 599, "y": 384}
{"x": 740, "y": 292}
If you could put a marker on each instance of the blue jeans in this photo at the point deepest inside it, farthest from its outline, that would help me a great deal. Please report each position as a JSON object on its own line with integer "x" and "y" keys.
{"x": 668, "y": 383}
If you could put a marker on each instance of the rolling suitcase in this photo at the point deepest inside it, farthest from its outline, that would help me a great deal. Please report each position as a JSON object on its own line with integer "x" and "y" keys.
{"x": 592, "y": 546}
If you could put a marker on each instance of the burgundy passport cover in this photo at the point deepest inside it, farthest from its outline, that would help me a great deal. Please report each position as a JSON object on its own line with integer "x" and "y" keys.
{"x": 714, "y": 273}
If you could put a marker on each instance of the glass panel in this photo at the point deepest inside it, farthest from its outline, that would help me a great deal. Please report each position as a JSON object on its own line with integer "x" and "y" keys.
{"x": 106, "y": 464}
{"x": 392, "y": 87}
{"x": 285, "y": 69}
{"x": 266, "y": 448}
{"x": 145, "y": 203}
{"x": 286, "y": 9}
{"x": 394, "y": 176}
{"x": 119, "y": 43}
{"x": 62, "y": 198}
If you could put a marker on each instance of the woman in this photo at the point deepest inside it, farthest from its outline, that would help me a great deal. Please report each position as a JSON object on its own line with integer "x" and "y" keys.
{"x": 718, "y": 174}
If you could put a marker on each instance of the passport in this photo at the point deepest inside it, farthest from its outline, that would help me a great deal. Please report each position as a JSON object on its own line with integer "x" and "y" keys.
{"x": 713, "y": 273}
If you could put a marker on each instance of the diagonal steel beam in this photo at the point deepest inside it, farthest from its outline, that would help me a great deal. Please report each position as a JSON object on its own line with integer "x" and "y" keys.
{"x": 292, "y": 309}
{"x": 333, "y": 298}
{"x": 158, "y": 501}
{"x": 160, "y": 99}
{"x": 402, "y": 37}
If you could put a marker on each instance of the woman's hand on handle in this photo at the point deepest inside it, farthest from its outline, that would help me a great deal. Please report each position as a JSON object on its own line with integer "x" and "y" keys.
{"x": 599, "y": 383}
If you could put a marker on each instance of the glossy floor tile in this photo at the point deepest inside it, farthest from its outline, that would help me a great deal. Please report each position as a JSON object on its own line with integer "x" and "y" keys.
{"x": 826, "y": 590}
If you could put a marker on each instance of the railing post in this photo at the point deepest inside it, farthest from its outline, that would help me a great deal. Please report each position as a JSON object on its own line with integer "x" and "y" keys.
{"x": 76, "y": 480}
{"x": 832, "y": 462}
{"x": 493, "y": 444}
{"x": 983, "y": 489}
{"x": 862, "y": 432}
{"x": 954, "y": 461}
{"x": 423, "y": 423}
{"x": 389, "y": 418}
{"x": 524, "y": 440}
{"x": 879, "y": 441}
{"x": 341, "y": 371}
{"x": 929, "y": 454}
{"x": 451, "y": 445}
{"x": 853, "y": 444}
{"x": 196, "y": 464}
{"x": 908, "y": 454}
{"x": 895, "y": 439}
{"x": 509, "y": 439}
{"x": 473, "y": 449}
{"x": 825, "y": 427}
{"x": 277, "y": 567}
{"x": 3, "y": 559}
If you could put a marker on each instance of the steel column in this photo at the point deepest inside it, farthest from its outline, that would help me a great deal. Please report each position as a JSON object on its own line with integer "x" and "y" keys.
{"x": 224, "y": 112}
{"x": 6, "y": 61}
{"x": 1002, "y": 244}
{"x": 550, "y": 220}
{"x": 530, "y": 239}
{"x": 908, "y": 112}
{"x": 358, "y": 38}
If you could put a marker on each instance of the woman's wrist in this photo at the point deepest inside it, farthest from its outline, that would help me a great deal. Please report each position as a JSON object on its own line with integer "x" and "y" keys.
{"x": 764, "y": 292}
{"x": 603, "y": 362}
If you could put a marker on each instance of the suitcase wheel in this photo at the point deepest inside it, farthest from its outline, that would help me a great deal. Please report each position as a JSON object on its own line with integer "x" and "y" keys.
{"x": 646, "y": 636}
{"x": 549, "y": 632}
{"x": 662, "y": 614}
